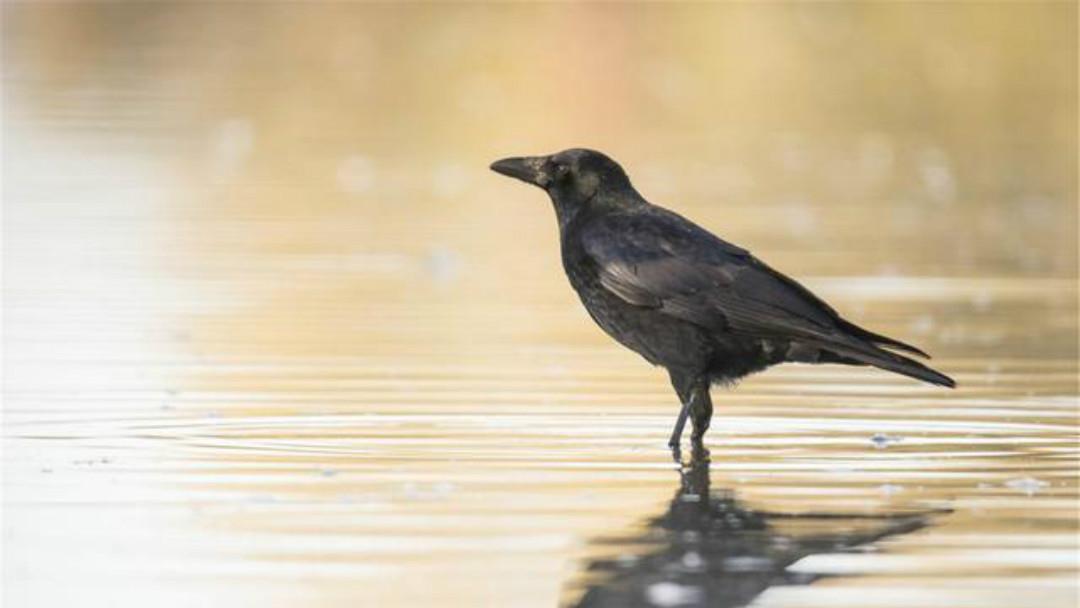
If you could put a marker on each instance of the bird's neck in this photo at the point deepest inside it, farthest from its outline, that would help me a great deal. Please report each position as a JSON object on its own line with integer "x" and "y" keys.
{"x": 571, "y": 213}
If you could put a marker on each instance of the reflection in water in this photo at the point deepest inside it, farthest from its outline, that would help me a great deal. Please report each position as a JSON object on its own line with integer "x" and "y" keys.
{"x": 710, "y": 549}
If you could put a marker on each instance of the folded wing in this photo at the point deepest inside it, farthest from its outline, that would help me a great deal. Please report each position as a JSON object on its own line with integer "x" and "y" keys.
{"x": 660, "y": 260}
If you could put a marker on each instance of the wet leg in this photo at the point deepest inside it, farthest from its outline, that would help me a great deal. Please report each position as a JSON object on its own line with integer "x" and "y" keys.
{"x": 680, "y": 423}
{"x": 700, "y": 414}
{"x": 683, "y": 385}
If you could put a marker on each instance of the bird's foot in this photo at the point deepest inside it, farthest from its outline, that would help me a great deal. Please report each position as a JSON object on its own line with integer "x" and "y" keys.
{"x": 676, "y": 452}
{"x": 699, "y": 451}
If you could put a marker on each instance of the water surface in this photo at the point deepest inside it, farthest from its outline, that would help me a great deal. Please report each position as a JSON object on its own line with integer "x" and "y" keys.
{"x": 275, "y": 336}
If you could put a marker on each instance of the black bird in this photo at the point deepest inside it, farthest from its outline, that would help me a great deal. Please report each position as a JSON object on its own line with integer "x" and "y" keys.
{"x": 681, "y": 297}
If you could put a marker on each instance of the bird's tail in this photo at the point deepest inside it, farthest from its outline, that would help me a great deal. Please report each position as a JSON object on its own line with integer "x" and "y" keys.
{"x": 878, "y": 339}
{"x": 910, "y": 368}
{"x": 857, "y": 351}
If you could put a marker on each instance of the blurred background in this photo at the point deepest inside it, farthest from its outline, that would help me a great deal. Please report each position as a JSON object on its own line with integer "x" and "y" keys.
{"x": 274, "y": 332}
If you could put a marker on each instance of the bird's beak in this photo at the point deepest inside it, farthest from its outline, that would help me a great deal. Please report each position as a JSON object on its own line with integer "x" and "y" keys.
{"x": 529, "y": 169}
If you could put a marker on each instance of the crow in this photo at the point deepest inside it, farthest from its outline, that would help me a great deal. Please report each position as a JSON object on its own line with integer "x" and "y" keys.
{"x": 685, "y": 299}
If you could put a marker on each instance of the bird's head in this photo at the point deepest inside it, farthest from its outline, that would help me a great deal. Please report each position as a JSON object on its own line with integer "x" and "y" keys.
{"x": 573, "y": 178}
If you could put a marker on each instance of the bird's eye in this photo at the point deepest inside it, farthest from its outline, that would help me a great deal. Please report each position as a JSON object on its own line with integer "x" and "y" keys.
{"x": 561, "y": 170}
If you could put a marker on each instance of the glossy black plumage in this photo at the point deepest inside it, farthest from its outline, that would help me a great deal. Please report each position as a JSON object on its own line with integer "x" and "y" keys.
{"x": 705, "y": 309}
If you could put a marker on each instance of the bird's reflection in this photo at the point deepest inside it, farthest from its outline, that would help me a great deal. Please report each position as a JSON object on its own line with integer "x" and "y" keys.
{"x": 709, "y": 549}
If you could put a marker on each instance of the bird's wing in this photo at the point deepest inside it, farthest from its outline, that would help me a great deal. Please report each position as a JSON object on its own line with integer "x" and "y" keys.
{"x": 661, "y": 260}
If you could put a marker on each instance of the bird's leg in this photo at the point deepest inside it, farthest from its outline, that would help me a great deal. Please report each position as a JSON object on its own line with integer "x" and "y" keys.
{"x": 701, "y": 415}
{"x": 680, "y": 423}
{"x": 683, "y": 384}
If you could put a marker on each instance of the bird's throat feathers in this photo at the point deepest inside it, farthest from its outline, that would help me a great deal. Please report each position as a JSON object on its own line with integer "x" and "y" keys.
{"x": 572, "y": 207}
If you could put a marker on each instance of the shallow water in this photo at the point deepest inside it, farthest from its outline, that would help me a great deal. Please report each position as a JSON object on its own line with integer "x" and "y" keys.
{"x": 274, "y": 334}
